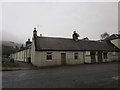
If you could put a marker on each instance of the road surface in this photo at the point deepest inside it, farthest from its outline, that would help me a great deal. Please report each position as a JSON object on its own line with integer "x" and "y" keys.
{"x": 79, "y": 76}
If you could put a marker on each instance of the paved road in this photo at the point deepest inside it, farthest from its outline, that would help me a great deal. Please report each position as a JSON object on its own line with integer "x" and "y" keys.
{"x": 80, "y": 76}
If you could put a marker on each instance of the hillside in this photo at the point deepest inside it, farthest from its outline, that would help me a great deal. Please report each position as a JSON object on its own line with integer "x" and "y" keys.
{"x": 9, "y": 47}
{"x": 10, "y": 43}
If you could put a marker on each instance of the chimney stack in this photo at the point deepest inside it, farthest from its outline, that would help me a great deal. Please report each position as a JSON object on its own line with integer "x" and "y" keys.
{"x": 34, "y": 32}
{"x": 28, "y": 42}
{"x": 75, "y": 36}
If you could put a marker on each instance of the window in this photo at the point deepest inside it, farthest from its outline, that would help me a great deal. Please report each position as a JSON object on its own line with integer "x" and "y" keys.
{"x": 92, "y": 55}
{"x": 49, "y": 56}
{"x": 87, "y": 53}
{"x": 113, "y": 53}
{"x": 75, "y": 55}
{"x": 105, "y": 55}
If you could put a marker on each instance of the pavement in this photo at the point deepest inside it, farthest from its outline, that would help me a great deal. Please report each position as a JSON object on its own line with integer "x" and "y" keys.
{"x": 103, "y": 75}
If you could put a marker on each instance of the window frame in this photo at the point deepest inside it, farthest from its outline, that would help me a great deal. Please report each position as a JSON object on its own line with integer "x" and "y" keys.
{"x": 93, "y": 54}
{"x": 87, "y": 53}
{"x": 114, "y": 53}
{"x": 49, "y": 56}
{"x": 76, "y": 56}
{"x": 105, "y": 55}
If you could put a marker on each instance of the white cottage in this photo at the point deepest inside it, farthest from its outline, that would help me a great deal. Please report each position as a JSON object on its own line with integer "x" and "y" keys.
{"x": 51, "y": 51}
{"x": 24, "y": 54}
{"x": 48, "y": 51}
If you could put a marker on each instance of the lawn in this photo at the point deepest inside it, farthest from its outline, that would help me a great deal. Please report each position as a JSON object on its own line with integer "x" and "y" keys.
{"x": 7, "y": 63}
{"x": 10, "y": 64}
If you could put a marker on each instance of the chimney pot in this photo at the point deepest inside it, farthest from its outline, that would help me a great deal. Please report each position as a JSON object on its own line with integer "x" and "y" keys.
{"x": 34, "y": 32}
{"x": 40, "y": 35}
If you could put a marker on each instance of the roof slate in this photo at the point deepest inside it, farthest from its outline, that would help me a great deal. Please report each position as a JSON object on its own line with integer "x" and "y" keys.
{"x": 113, "y": 36}
{"x": 66, "y": 44}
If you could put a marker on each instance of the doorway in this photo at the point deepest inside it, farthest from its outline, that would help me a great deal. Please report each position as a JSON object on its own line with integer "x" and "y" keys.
{"x": 63, "y": 58}
{"x": 99, "y": 57}
{"x": 93, "y": 59}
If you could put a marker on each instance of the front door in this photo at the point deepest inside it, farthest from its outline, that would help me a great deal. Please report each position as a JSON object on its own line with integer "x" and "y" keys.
{"x": 63, "y": 58}
{"x": 99, "y": 57}
{"x": 93, "y": 59}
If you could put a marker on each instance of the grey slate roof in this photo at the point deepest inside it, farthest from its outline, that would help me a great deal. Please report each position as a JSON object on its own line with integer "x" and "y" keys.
{"x": 24, "y": 48}
{"x": 65, "y": 44}
{"x": 113, "y": 36}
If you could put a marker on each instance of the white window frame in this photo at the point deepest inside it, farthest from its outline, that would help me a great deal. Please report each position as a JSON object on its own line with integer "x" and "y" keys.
{"x": 76, "y": 54}
{"x": 49, "y": 54}
{"x": 87, "y": 53}
{"x": 114, "y": 53}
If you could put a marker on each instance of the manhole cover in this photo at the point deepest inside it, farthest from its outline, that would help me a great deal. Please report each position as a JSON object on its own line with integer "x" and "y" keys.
{"x": 116, "y": 77}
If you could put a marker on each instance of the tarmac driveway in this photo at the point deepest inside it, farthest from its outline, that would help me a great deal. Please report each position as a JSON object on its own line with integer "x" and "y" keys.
{"x": 80, "y": 76}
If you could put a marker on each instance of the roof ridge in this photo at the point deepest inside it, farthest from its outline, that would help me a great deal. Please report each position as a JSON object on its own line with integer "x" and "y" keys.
{"x": 65, "y": 38}
{"x": 59, "y": 44}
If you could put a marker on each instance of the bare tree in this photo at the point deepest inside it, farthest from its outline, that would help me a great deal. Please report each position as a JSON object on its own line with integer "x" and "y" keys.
{"x": 104, "y": 35}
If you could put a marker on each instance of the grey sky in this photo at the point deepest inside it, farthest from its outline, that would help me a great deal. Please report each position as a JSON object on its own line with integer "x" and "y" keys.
{"x": 89, "y": 19}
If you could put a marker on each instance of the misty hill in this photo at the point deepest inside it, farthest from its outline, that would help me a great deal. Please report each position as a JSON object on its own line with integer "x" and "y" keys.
{"x": 9, "y": 47}
{"x": 10, "y": 43}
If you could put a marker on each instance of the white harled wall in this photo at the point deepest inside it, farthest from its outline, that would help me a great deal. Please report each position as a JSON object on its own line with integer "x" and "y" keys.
{"x": 113, "y": 56}
{"x": 21, "y": 55}
{"x": 40, "y": 58}
{"x": 116, "y": 42}
{"x": 33, "y": 52}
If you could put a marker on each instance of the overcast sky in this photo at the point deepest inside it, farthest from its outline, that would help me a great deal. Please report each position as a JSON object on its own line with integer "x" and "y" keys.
{"x": 58, "y": 19}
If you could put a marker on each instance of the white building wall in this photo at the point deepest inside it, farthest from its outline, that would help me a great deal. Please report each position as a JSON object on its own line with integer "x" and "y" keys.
{"x": 116, "y": 42}
{"x": 20, "y": 56}
{"x": 96, "y": 57}
{"x": 87, "y": 57}
{"x": 113, "y": 56}
{"x": 33, "y": 52}
{"x": 25, "y": 55}
{"x": 40, "y": 58}
{"x": 71, "y": 60}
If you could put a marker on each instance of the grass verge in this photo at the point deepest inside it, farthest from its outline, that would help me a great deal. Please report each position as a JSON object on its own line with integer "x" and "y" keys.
{"x": 9, "y": 64}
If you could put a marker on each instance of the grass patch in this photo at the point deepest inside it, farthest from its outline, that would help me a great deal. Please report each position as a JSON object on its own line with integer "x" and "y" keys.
{"x": 6, "y": 62}
{"x": 10, "y": 64}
